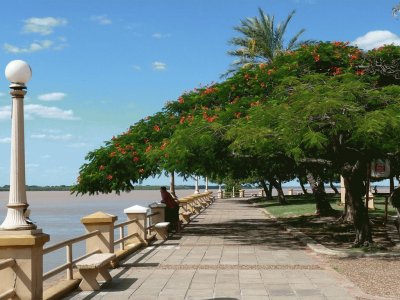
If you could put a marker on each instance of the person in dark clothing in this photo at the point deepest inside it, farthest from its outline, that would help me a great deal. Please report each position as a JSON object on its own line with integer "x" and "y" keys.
{"x": 171, "y": 209}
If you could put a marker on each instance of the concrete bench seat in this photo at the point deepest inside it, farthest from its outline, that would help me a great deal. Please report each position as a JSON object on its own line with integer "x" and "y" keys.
{"x": 161, "y": 230}
{"x": 204, "y": 204}
{"x": 96, "y": 265}
{"x": 186, "y": 216}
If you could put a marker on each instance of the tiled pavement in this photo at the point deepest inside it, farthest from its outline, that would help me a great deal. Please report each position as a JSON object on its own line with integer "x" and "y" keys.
{"x": 230, "y": 251}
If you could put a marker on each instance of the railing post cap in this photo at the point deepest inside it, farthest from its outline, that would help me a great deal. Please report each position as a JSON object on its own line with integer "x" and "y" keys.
{"x": 23, "y": 240}
{"x": 136, "y": 209}
{"x": 99, "y": 217}
{"x": 155, "y": 205}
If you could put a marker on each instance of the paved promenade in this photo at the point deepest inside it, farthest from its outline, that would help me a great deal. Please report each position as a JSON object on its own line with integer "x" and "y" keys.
{"x": 230, "y": 251}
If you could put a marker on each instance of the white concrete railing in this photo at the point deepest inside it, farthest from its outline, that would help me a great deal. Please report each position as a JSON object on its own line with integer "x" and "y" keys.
{"x": 141, "y": 224}
{"x": 69, "y": 258}
{"x": 122, "y": 237}
{"x": 150, "y": 222}
{"x": 69, "y": 243}
{"x": 7, "y": 263}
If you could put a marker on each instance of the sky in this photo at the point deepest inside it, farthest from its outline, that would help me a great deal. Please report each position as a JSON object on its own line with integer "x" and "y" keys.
{"x": 99, "y": 66}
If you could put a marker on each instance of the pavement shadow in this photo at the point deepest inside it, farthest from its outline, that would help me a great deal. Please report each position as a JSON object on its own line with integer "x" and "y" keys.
{"x": 118, "y": 284}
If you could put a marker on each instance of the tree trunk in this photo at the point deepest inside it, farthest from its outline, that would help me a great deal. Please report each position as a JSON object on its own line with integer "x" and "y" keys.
{"x": 278, "y": 187}
{"x": 323, "y": 207}
{"x": 391, "y": 180}
{"x": 347, "y": 216}
{"x": 333, "y": 187}
{"x": 172, "y": 185}
{"x": 266, "y": 190}
{"x": 270, "y": 187}
{"x": 302, "y": 185}
{"x": 355, "y": 189}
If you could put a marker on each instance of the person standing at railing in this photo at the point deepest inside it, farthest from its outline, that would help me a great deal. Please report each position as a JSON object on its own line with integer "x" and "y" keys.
{"x": 171, "y": 209}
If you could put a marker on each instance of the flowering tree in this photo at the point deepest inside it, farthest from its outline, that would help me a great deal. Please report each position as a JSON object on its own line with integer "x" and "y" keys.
{"x": 321, "y": 109}
{"x": 128, "y": 158}
{"x": 327, "y": 109}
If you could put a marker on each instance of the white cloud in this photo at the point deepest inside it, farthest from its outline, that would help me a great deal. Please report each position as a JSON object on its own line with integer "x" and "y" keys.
{"x": 102, "y": 20}
{"x": 52, "y": 137}
{"x": 45, "y": 156}
{"x": 5, "y": 140}
{"x": 136, "y": 67}
{"x": 375, "y": 39}
{"x": 159, "y": 35}
{"x": 43, "y": 26}
{"x": 159, "y": 66}
{"x": 34, "y": 47}
{"x": 33, "y": 111}
{"x": 48, "y": 112}
{"x": 56, "y": 96}
{"x": 5, "y": 112}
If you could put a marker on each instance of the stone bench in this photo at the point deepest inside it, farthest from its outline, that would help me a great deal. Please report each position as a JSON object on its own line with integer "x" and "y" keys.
{"x": 197, "y": 208}
{"x": 186, "y": 216}
{"x": 161, "y": 230}
{"x": 96, "y": 265}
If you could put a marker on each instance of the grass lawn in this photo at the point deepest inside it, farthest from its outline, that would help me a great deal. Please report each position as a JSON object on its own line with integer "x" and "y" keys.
{"x": 299, "y": 213}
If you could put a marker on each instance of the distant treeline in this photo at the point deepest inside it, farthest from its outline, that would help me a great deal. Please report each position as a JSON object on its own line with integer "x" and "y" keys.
{"x": 40, "y": 188}
{"x": 6, "y": 188}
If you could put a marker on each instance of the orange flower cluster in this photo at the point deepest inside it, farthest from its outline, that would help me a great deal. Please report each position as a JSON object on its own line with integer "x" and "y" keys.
{"x": 136, "y": 159}
{"x": 181, "y": 100}
{"x": 109, "y": 177}
{"x": 148, "y": 148}
{"x": 360, "y": 72}
{"x": 208, "y": 118}
{"x": 262, "y": 66}
{"x": 209, "y": 90}
{"x": 121, "y": 150}
{"x": 156, "y": 128}
{"x": 189, "y": 118}
{"x": 238, "y": 114}
{"x": 164, "y": 145}
{"x": 341, "y": 44}
{"x": 101, "y": 168}
{"x": 336, "y": 71}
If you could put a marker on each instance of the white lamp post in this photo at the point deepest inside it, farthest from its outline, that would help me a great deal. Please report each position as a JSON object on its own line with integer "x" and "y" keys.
{"x": 18, "y": 73}
{"x": 196, "y": 188}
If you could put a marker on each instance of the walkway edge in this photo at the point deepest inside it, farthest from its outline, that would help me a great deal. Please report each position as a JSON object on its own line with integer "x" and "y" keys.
{"x": 321, "y": 249}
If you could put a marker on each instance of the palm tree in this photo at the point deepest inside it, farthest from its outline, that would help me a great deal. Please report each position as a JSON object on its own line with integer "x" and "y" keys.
{"x": 261, "y": 41}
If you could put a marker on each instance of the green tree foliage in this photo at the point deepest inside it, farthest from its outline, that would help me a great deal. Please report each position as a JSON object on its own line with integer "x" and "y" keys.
{"x": 329, "y": 111}
{"x": 128, "y": 158}
{"x": 328, "y": 108}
